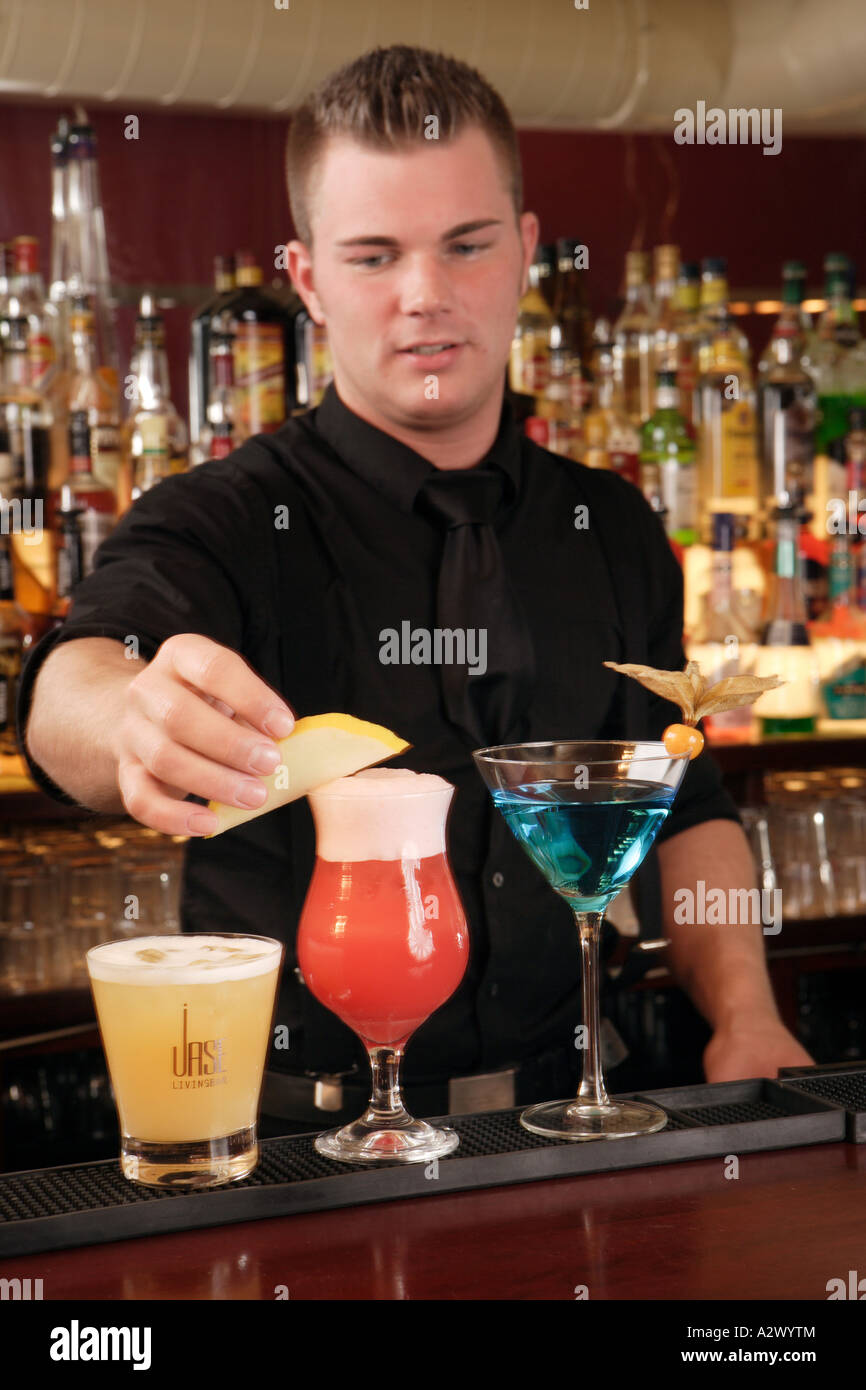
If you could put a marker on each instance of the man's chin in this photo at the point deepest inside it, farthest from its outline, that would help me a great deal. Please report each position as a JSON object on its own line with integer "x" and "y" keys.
{"x": 453, "y": 403}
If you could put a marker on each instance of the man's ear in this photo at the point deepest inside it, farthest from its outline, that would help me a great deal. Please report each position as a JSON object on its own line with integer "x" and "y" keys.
{"x": 300, "y": 268}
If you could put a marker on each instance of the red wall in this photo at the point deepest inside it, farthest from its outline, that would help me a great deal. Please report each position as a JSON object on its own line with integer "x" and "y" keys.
{"x": 195, "y": 185}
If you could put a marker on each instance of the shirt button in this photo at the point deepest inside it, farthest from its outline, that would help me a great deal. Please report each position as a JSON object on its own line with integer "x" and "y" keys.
{"x": 498, "y": 879}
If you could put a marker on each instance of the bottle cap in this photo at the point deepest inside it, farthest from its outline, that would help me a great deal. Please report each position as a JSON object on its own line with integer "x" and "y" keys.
{"x": 565, "y": 249}
{"x": 714, "y": 266}
{"x": 636, "y": 268}
{"x": 666, "y": 262}
{"x": 25, "y": 250}
{"x": 723, "y": 526}
{"x": 690, "y": 272}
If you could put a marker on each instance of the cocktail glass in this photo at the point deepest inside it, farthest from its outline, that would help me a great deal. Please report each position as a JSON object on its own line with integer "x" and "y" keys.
{"x": 586, "y": 813}
{"x": 185, "y": 1022}
{"x": 382, "y": 941}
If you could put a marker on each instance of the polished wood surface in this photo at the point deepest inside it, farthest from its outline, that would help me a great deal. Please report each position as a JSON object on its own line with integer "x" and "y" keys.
{"x": 792, "y": 1220}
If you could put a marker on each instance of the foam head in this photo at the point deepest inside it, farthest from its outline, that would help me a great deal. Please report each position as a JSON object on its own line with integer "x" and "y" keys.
{"x": 381, "y": 813}
{"x": 190, "y": 959}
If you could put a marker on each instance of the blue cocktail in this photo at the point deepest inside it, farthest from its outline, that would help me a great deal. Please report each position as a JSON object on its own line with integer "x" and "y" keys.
{"x": 586, "y": 813}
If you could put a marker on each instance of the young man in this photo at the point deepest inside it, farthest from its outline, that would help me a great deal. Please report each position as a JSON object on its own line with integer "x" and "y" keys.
{"x": 412, "y": 499}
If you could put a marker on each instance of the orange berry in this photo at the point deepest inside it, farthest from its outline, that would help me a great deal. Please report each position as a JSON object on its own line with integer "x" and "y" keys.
{"x": 680, "y": 739}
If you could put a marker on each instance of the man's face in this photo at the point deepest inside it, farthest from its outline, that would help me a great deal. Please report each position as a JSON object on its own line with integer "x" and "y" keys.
{"x": 415, "y": 247}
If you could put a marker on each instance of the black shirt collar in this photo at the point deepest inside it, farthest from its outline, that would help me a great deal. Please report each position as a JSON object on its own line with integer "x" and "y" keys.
{"x": 391, "y": 467}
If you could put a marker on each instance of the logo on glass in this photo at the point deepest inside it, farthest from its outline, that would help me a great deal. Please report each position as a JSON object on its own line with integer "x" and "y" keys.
{"x": 198, "y": 1063}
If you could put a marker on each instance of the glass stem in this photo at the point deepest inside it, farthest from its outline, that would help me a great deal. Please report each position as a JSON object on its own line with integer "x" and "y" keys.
{"x": 592, "y": 1081}
{"x": 386, "y": 1101}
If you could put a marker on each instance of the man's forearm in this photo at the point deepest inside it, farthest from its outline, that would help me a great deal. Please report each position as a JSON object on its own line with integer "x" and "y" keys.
{"x": 77, "y": 699}
{"x": 722, "y": 967}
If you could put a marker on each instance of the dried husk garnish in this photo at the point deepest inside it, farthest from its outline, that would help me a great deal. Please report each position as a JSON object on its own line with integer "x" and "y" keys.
{"x": 693, "y": 694}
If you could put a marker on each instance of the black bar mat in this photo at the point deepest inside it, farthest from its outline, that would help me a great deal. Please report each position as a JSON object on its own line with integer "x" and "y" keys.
{"x": 91, "y": 1203}
{"x": 840, "y": 1083}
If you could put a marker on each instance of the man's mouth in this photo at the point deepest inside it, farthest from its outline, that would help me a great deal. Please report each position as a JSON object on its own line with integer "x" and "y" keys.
{"x": 429, "y": 349}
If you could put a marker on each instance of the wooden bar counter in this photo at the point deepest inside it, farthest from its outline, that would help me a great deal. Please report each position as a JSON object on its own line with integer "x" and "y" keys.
{"x": 793, "y": 1219}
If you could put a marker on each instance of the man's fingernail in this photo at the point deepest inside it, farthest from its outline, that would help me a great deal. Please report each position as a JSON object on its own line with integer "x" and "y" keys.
{"x": 264, "y": 757}
{"x": 279, "y": 723}
{"x": 202, "y": 823}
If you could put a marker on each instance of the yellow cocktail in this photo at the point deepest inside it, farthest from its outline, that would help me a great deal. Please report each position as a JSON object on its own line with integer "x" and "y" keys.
{"x": 185, "y": 1022}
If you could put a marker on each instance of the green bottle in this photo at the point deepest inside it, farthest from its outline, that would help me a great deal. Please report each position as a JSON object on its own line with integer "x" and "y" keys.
{"x": 667, "y": 458}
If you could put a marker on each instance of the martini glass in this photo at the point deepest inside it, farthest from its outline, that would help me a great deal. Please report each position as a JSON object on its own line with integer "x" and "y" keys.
{"x": 586, "y": 813}
{"x": 382, "y": 941}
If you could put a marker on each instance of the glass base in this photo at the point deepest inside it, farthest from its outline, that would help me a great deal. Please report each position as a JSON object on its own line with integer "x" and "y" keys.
{"x": 581, "y": 1119}
{"x": 363, "y": 1142}
{"x": 190, "y": 1165}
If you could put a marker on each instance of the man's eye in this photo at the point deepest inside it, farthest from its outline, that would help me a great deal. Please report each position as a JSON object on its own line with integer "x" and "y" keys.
{"x": 370, "y": 262}
{"x": 469, "y": 246}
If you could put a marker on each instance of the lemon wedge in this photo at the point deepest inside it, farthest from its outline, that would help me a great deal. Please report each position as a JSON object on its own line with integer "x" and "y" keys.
{"x": 320, "y": 748}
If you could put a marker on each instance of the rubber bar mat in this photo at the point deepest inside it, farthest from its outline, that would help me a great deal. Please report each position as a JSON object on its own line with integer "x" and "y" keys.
{"x": 841, "y": 1083}
{"x": 91, "y": 1203}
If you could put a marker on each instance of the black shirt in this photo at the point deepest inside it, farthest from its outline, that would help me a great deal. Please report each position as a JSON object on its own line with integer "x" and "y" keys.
{"x": 297, "y": 551}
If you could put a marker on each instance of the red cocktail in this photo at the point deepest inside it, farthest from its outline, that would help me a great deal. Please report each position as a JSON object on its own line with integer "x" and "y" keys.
{"x": 382, "y": 939}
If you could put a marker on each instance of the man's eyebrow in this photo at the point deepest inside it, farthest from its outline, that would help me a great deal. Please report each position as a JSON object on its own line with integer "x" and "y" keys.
{"x": 462, "y": 229}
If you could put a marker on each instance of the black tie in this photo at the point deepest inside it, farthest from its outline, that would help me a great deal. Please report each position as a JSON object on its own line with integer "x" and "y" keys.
{"x": 475, "y": 597}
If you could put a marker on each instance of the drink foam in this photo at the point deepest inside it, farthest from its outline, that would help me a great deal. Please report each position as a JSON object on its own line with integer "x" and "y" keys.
{"x": 191, "y": 959}
{"x": 381, "y": 813}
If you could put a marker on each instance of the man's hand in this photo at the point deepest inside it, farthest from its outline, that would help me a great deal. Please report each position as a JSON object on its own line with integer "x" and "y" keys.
{"x": 197, "y": 719}
{"x": 752, "y": 1047}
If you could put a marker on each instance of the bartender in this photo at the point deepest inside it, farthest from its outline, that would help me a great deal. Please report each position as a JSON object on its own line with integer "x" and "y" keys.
{"x": 232, "y": 597}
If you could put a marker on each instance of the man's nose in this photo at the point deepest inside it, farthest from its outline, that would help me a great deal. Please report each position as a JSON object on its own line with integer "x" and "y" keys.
{"x": 426, "y": 287}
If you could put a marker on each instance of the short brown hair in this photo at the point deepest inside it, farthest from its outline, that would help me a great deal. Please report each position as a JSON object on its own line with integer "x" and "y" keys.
{"x": 384, "y": 99}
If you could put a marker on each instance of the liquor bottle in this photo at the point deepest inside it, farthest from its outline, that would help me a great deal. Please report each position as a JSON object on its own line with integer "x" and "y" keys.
{"x": 264, "y": 353}
{"x": 724, "y": 642}
{"x": 70, "y": 556}
{"x": 6, "y": 268}
{"x": 571, "y": 331}
{"x": 546, "y": 260}
{"x": 199, "y": 360}
{"x": 217, "y": 437}
{"x": 714, "y": 311}
{"x": 25, "y": 467}
{"x": 315, "y": 367}
{"x": 155, "y": 439}
{"x": 43, "y": 328}
{"x": 689, "y": 329}
{"x": 785, "y": 649}
{"x": 787, "y": 404}
{"x": 59, "y": 257}
{"x": 90, "y": 391}
{"x": 530, "y": 346}
{"x": 13, "y": 635}
{"x": 726, "y": 408}
{"x": 793, "y": 323}
{"x": 83, "y": 267}
{"x": 611, "y": 440}
{"x": 667, "y": 458}
{"x": 839, "y": 638}
{"x": 556, "y": 406}
{"x": 855, "y": 464}
{"x": 83, "y": 489}
{"x": 633, "y": 341}
{"x": 666, "y": 264}
{"x": 838, "y": 360}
